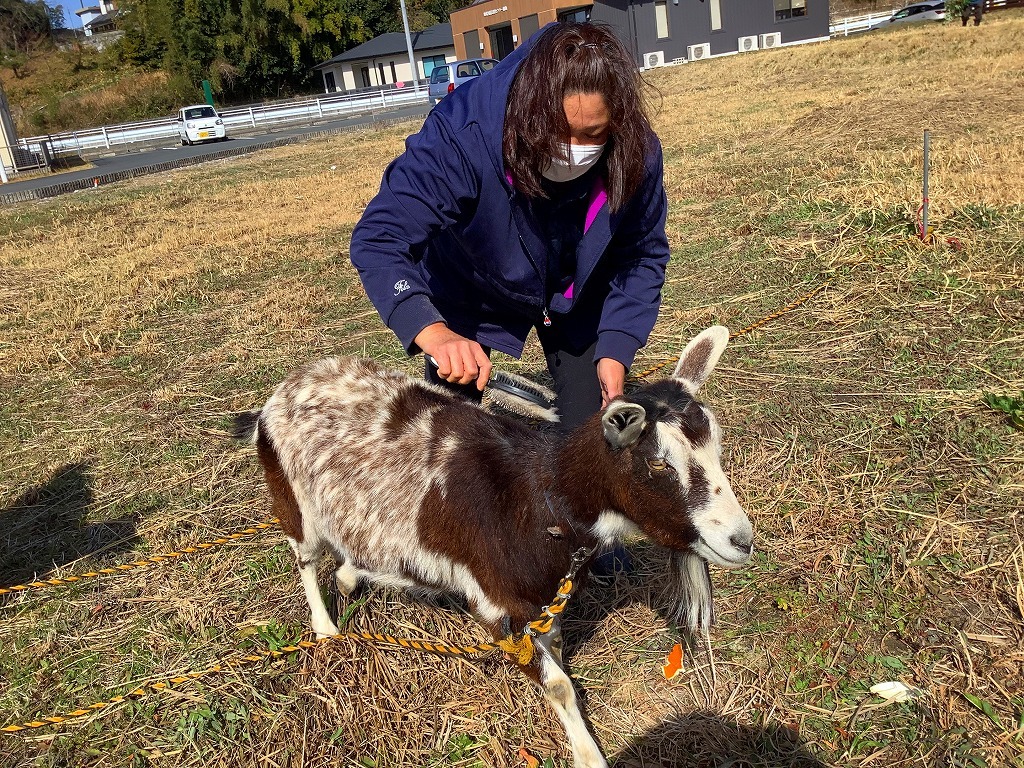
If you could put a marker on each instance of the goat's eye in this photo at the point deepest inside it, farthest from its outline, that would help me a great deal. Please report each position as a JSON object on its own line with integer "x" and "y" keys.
{"x": 658, "y": 465}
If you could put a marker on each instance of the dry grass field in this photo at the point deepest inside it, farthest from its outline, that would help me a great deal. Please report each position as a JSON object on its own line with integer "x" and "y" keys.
{"x": 885, "y": 490}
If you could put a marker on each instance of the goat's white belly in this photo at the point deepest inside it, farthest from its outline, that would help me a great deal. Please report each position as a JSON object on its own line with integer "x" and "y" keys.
{"x": 376, "y": 528}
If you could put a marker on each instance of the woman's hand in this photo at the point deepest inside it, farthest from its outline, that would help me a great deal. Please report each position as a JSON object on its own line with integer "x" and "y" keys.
{"x": 612, "y": 375}
{"x": 459, "y": 360}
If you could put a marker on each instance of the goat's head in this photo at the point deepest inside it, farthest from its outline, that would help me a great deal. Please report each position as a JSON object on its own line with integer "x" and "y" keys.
{"x": 670, "y": 444}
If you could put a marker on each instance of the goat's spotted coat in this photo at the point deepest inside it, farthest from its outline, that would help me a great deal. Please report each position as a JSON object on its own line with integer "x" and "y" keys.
{"x": 405, "y": 484}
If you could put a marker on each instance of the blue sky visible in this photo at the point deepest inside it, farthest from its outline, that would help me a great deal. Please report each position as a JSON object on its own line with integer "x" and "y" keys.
{"x": 70, "y": 6}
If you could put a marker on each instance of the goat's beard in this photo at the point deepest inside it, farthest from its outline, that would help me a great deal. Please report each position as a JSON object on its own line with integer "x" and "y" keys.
{"x": 691, "y": 601}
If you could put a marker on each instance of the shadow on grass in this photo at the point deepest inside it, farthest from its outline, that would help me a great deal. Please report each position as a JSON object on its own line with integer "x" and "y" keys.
{"x": 701, "y": 739}
{"x": 46, "y": 527}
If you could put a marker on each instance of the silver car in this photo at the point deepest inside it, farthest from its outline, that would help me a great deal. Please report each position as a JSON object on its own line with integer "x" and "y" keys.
{"x": 927, "y": 11}
{"x": 447, "y": 77}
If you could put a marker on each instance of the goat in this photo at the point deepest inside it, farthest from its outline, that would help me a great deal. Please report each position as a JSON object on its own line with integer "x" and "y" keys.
{"x": 408, "y": 485}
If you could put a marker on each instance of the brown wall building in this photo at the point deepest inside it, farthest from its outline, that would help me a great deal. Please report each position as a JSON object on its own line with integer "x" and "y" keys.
{"x": 495, "y": 28}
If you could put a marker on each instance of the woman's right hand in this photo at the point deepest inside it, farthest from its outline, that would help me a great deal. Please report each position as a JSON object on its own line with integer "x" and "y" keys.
{"x": 459, "y": 360}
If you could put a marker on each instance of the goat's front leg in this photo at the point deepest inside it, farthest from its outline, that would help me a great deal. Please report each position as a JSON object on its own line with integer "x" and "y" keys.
{"x": 558, "y": 689}
{"x": 306, "y": 555}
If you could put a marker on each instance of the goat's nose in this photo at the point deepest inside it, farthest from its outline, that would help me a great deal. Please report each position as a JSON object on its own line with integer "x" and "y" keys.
{"x": 744, "y": 543}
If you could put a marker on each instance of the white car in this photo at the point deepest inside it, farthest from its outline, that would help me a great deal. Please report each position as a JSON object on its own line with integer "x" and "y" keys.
{"x": 927, "y": 11}
{"x": 198, "y": 123}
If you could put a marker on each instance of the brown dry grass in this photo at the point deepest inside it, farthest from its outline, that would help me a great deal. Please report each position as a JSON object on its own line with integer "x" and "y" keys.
{"x": 886, "y": 496}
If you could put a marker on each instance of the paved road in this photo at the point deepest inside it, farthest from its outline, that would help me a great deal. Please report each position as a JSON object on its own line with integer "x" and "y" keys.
{"x": 238, "y": 139}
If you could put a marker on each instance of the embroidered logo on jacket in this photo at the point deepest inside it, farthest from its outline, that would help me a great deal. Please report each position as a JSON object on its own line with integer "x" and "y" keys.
{"x": 401, "y": 286}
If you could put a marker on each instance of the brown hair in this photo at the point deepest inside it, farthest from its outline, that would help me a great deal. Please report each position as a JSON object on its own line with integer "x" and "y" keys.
{"x": 574, "y": 58}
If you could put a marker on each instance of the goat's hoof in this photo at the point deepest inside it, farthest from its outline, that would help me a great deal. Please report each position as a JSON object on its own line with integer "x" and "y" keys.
{"x": 325, "y": 632}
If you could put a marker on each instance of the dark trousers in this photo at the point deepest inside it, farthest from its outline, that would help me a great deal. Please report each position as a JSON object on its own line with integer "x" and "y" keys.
{"x": 966, "y": 13}
{"x": 573, "y": 370}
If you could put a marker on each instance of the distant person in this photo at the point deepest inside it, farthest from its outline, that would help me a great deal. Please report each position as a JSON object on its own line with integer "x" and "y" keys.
{"x": 973, "y": 8}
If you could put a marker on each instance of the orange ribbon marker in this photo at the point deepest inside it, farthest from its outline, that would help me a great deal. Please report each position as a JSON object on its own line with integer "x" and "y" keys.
{"x": 673, "y": 662}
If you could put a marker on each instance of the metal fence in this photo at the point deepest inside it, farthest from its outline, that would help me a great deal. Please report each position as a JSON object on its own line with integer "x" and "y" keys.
{"x": 843, "y": 27}
{"x": 258, "y": 117}
{"x": 18, "y": 159}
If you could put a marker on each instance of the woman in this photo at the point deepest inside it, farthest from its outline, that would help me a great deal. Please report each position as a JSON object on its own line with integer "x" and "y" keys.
{"x": 532, "y": 197}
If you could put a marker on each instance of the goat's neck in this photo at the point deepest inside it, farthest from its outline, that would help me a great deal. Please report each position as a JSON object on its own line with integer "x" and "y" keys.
{"x": 586, "y": 476}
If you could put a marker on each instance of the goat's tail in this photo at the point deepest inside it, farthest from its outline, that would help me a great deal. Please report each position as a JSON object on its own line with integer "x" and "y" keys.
{"x": 245, "y": 426}
{"x": 692, "y": 604}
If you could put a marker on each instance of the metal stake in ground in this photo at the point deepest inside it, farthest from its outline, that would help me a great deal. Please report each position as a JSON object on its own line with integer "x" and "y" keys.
{"x": 924, "y": 193}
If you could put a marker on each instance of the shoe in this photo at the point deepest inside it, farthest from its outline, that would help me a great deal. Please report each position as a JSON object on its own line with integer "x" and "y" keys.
{"x": 605, "y": 566}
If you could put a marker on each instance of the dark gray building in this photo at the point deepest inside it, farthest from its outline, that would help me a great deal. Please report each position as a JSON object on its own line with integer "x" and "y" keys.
{"x": 666, "y": 31}
{"x": 656, "y": 31}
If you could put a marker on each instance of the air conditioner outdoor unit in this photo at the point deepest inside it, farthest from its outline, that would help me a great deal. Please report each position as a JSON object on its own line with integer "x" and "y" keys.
{"x": 748, "y": 43}
{"x": 702, "y": 51}
{"x": 771, "y": 40}
{"x": 654, "y": 59}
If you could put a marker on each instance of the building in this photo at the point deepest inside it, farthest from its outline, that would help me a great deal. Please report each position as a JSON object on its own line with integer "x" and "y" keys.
{"x": 8, "y": 138}
{"x": 97, "y": 19}
{"x": 384, "y": 60}
{"x": 656, "y": 31}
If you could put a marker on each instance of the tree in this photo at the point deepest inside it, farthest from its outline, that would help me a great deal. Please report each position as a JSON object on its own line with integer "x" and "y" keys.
{"x": 246, "y": 48}
{"x": 23, "y": 24}
{"x": 56, "y": 16}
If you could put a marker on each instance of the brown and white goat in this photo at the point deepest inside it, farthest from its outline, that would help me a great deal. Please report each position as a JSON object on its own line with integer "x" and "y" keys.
{"x": 407, "y": 485}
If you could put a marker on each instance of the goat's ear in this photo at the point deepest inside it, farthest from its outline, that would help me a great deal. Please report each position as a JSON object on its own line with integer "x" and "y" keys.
{"x": 623, "y": 422}
{"x": 700, "y": 357}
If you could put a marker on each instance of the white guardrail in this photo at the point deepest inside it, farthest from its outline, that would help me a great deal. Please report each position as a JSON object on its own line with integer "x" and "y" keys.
{"x": 328, "y": 106}
{"x": 843, "y": 27}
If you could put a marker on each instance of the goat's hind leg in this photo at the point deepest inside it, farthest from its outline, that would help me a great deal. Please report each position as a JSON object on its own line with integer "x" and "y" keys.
{"x": 307, "y": 553}
{"x": 558, "y": 690}
{"x": 347, "y": 576}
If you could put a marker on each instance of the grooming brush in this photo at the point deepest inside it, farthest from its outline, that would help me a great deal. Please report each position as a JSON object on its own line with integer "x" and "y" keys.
{"x": 519, "y": 395}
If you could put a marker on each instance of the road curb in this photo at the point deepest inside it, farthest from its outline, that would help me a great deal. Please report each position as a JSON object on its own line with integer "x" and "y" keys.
{"x": 62, "y": 188}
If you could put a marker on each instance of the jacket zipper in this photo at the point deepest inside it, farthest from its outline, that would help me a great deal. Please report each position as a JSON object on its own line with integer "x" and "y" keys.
{"x": 544, "y": 302}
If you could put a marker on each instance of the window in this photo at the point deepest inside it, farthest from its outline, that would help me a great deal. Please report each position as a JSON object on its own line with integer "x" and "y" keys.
{"x": 486, "y": 65}
{"x": 439, "y": 75}
{"x": 790, "y": 9}
{"x": 661, "y": 18}
{"x": 429, "y": 62}
{"x": 199, "y": 113}
{"x": 364, "y": 75}
{"x": 329, "y": 85}
{"x": 716, "y": 13}
{"x": 467, "y": 69}
{"x": 580, "y": 15}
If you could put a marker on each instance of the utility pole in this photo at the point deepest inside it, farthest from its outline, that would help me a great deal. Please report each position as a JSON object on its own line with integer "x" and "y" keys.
{"x": 408, "y": 45}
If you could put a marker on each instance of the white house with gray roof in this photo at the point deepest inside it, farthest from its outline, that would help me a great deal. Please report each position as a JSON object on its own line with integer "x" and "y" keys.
{"x": 384, "y": 60}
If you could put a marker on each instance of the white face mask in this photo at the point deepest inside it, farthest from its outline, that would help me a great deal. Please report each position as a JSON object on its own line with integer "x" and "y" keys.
{"x": 581, "y": 159}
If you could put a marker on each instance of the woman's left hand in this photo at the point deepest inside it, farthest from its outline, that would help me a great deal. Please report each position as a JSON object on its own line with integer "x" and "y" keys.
{"x": 612, "y": 375}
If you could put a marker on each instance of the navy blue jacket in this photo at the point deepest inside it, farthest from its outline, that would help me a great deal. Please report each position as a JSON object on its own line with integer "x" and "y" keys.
{"x": 449, "y": 239}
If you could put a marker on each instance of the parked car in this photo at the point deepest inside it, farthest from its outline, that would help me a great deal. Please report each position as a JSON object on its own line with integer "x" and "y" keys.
{"x": 199, "y": 123}
{"x": 447, "y": 77}
{"x": 926, "y": 11}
